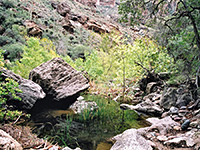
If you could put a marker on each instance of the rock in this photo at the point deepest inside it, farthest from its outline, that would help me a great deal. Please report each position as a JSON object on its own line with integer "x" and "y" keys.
{"x": 90, "y": 3}
{"x": 63, "y": 9}
{"x": 67, "y": 25}
{"x": 165, "y": 114}
{"x": 182, "y": 113}
{"x": 183, "y": 108}
{"x": 67, "y": 148}
{"x": 126, "y": 107}
{"x": 177, "y": 128}
{"x": 194, "y": 124}
{"x": 130, "y": 140}
{"x": 148, "y": 107}
{"x": 54, "y": 147}
{"x": 188, "y": 139}
{"x": 168, "y": 98}
{"x": 176, "y": 118}
{"x": 152, "y": 96}
{"x": 80, "y": 98}
{"x": 185, "y": 125}
{"x": 96, "y": 27}
{"x": 184, "y": 100}
{"x": 197, "y": 112}
{"x": 8, "y": 143}
{"x": 33, "y": 28}
{"x": 60, "y": 81}
{"x": 177, "y": 141}
{"x": 80, "y": 105}
{"x": 162, "y": 138}
{"x": 151, "y": 77}
{"x": 164, "y": 125}
{"x": 150, "y": 87}
{"x": 173, "y": 110}
{"x": 24, "y": 136}
{"x": 196, "y": 105}
{"x": 31, "y": 92}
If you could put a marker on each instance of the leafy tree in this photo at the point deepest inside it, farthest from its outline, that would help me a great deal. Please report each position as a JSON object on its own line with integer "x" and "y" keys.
{"x": 35, "y": 53}
{"x": 177, "y": 23}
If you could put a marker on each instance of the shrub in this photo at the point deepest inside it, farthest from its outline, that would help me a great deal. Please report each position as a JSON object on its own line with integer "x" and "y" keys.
{"x": 8, "y": 88}
{"x": 13, "y": 51}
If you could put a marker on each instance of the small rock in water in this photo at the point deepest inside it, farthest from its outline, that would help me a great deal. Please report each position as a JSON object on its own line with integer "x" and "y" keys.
{"x": 80, "y": 98}
{"x": 185, "y": 125}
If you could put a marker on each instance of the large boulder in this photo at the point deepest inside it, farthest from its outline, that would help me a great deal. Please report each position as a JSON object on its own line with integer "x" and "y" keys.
{"x": 31, "y": 92}
{"x": 131, "y": 139}
{"x": 60, "y": 81}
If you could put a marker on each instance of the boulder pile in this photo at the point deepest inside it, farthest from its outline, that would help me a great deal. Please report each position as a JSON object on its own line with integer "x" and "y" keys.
{"x": 178, "y": 106}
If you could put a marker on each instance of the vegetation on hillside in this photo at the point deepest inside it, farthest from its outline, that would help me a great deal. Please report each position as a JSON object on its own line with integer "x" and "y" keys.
{"x": 177, "y": 27}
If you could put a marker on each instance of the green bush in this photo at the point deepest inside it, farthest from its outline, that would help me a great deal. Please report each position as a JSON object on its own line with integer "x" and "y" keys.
{"x": 14, "y": 51}
{"x": 8, "y": 88}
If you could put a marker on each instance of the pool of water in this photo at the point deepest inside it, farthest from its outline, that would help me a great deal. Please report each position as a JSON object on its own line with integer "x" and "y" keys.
{"x": 89, "y": 130}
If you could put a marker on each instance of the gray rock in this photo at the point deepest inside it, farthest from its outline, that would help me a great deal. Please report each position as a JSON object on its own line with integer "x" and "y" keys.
{"x": 150, "y": 87}
{"x": 183, "y": 108}
{"x": 131, "y": 139}
{"x": 31, "y": 92}
{"x": 184, "y": 100}
{"x": 80, "y": 105}
{"x": 126, "y": 107}
{"x": 58, "y": 79}
{"x": 168, "y": 98}
{"x": 196, "y": 105}
{"x": 194, "y": 124}
{"x": 185, "y": 124}
{"x": 148, "y": 107}
{"x": 173, "y": 110}
{"x": 164, "y": 125}
{"x": 189, "y": 139}
{"x": 8, "y": 143}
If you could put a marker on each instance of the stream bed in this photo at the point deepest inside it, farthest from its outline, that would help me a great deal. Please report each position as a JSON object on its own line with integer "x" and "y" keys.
{"x": 90, "y": 130}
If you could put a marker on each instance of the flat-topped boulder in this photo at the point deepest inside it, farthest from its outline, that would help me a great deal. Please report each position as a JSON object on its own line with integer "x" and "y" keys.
{"x": 31, "y": 92}
{"x": 58, "y": 79}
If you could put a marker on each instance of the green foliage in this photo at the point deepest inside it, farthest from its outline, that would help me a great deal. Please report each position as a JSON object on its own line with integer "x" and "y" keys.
{"x": 35, "y": 53}
{"x": 8, "y": 88}
{"x": 14, "y": 51}
{"x": 116, "y": 54}
{"x": 1, "y": 58}
{"x": 180, "y": 48}
{"x": 176, "y": 24}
